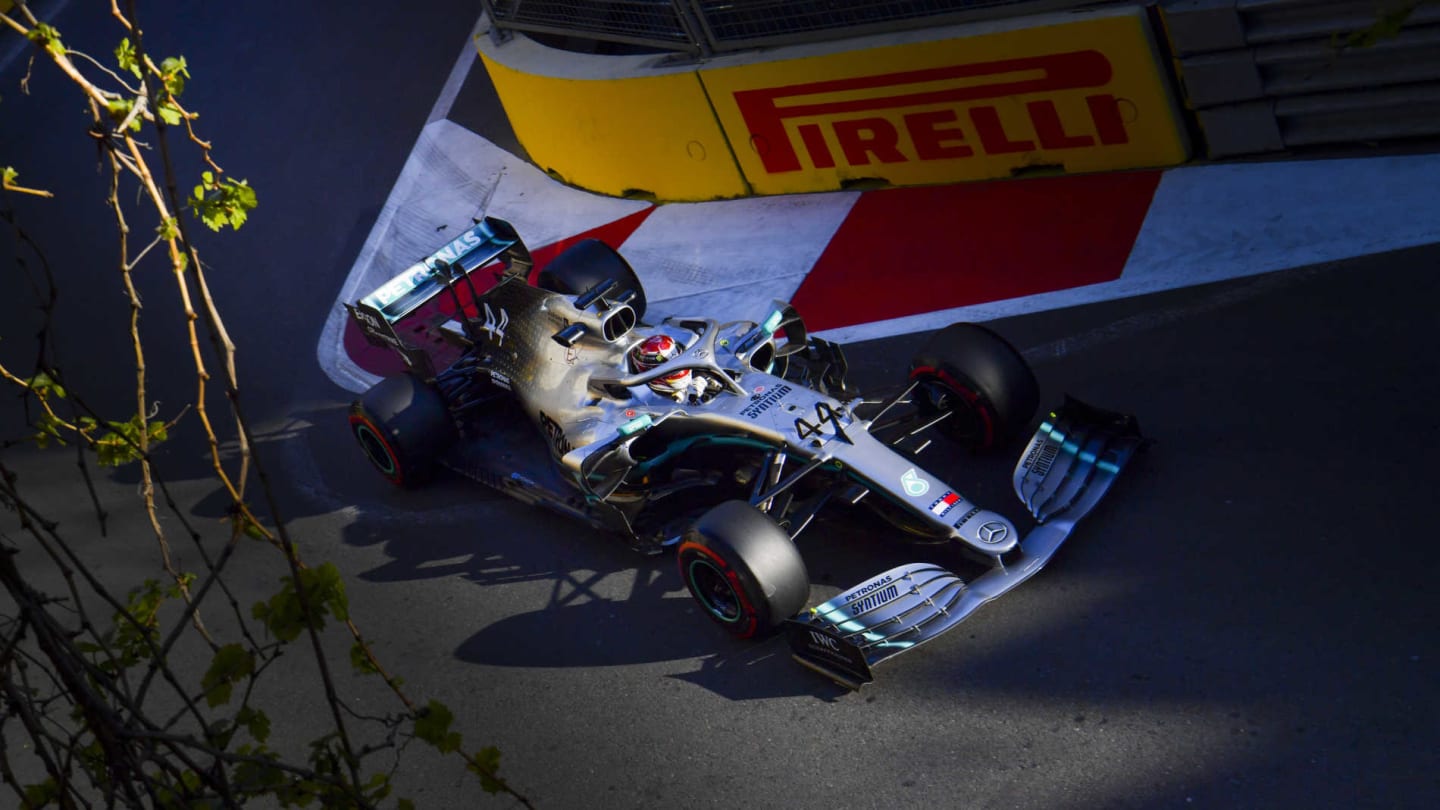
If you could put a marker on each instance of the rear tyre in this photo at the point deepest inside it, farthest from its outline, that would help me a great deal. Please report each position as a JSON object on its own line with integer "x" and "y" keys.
{"x": 980, "y": 379}
{"x": 585, "y": 264}
{"x": 743, "y": 569}
{"x": 403, "y": 425}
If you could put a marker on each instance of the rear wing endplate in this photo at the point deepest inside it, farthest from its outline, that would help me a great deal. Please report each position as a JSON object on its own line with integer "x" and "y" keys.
{"x": 381, "y": 333}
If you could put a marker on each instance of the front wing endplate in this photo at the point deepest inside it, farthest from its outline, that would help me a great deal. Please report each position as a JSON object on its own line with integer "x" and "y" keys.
{"x": 879, "y": 619}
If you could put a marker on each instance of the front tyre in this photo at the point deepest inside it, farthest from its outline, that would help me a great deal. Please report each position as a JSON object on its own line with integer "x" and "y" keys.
{"x": 978, "y": 378}
{"x": 743, "y": 570}
{"x": 403, "y": 425}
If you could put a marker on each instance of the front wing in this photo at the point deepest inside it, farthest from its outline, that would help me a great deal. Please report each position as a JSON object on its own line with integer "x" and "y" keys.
{"x": 1066, "y": 469}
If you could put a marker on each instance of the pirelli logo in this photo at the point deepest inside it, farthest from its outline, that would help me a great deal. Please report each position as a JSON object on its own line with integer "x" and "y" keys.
{"x": 942, "y": 113}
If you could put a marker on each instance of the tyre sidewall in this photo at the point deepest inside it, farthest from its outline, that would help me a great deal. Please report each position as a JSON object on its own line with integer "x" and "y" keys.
{"x": 985, "y": 371}
{"x": 373, "y": 443}
{"x": 403, "y": 426}
{"x": 756, "y": 558}
{"x": 747, "y": 624}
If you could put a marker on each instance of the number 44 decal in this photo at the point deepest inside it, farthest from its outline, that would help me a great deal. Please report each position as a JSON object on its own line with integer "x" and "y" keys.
{"x": 824, "y": 414}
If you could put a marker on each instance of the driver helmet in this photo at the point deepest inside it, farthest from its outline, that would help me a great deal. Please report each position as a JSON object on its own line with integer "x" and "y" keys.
{"x": 653, "y": 351}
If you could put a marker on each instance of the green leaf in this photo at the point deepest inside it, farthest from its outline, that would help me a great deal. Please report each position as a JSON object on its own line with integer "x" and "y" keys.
{"x": 133, "y": 639}
{"x": 41, "y": 793}
{"x": 119, "y": 109}
{"x": 220, "y": 733}
{"x": 120, "y": 444}
{"x": 8, "y": 175}
{"x": 185, "y": 579}
{"x": 327, "y": 587}
{"x": 47, "y": 427}
{"x": 249, "y": 527}
{"x": 432, "y": 724}
{"x": 127, "y": 58}
{"x": 173, "y": 73}
{"x": 144, "y": 603}
{"x": 231, "y": 663}
{"x": 377, "y": 787}
{"x": 281, "y": 614}
{"x": 325, "y": 591}
{"x": 44, "y": 384}
{"x": 251, "y": 777}
{"x": 47, "y": 37}
{"x": 223, "y": 202}
{"x": 256, "y": 722}
{"x": 111, "y": 450}
{"x": 185, "y": 795}
{"x": 488, "y": 760}
{"x": 170, "y": 114}
{"x": 359, "y": 661}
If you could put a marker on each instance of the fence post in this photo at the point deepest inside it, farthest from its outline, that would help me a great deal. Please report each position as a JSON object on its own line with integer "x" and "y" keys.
{"x": 692, "y": 19}
{"x": 498, "y": 34}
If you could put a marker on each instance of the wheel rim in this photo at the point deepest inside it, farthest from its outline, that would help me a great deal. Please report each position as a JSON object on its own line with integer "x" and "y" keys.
{"x": 965, "y": 422}
{"x": 714, "y": 590}
{"x": 375, "y": 449}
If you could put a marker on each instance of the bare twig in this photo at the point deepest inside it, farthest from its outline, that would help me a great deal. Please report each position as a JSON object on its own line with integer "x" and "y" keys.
{"x": 88, "y": 720}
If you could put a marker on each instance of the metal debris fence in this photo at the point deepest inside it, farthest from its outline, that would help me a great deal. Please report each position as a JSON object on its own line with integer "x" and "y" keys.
{"x": 702, "y": 27}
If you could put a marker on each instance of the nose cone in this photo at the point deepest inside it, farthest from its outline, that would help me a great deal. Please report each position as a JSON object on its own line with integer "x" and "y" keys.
{"x": 987, "y": 532}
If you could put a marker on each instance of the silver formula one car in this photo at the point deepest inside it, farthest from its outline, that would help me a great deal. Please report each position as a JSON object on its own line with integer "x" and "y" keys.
{"x": 721, "y": 440}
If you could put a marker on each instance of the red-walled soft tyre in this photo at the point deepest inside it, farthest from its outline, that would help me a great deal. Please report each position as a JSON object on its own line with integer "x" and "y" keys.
{"x": 743, "y": 570}
{"x": 403, "y": 426}
{"x": 980, "y": 379}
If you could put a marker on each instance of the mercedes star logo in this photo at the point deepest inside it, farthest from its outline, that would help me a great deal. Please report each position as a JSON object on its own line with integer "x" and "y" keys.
{"x": 993, "y": 532}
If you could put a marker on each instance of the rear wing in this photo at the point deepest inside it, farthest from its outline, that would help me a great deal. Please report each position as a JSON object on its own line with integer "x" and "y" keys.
{"x": 377, "y": 313}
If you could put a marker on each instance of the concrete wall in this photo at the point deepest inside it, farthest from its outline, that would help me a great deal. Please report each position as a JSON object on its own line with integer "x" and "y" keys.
{"x": 1059, "y": 93}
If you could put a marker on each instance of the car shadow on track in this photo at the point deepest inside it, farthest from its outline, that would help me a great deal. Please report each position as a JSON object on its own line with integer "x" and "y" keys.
{"x": 560, "y": 595}
{"x": 595, "y": 604}
{"x": 605, "y": 607}
{"x": 557, "y": 594}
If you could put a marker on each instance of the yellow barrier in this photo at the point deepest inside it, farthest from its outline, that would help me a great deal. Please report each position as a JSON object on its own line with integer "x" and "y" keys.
{"x": 1078, "y": 96}
{"x": 651, "y": 136}
{"x": 1069, "y": 93}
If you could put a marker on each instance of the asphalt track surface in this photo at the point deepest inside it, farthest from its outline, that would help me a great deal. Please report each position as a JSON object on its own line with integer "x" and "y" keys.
{"x": 1249, "y": 621}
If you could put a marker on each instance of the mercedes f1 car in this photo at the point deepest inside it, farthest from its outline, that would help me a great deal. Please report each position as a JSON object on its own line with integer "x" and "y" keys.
{"x": 721, "y": 440}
